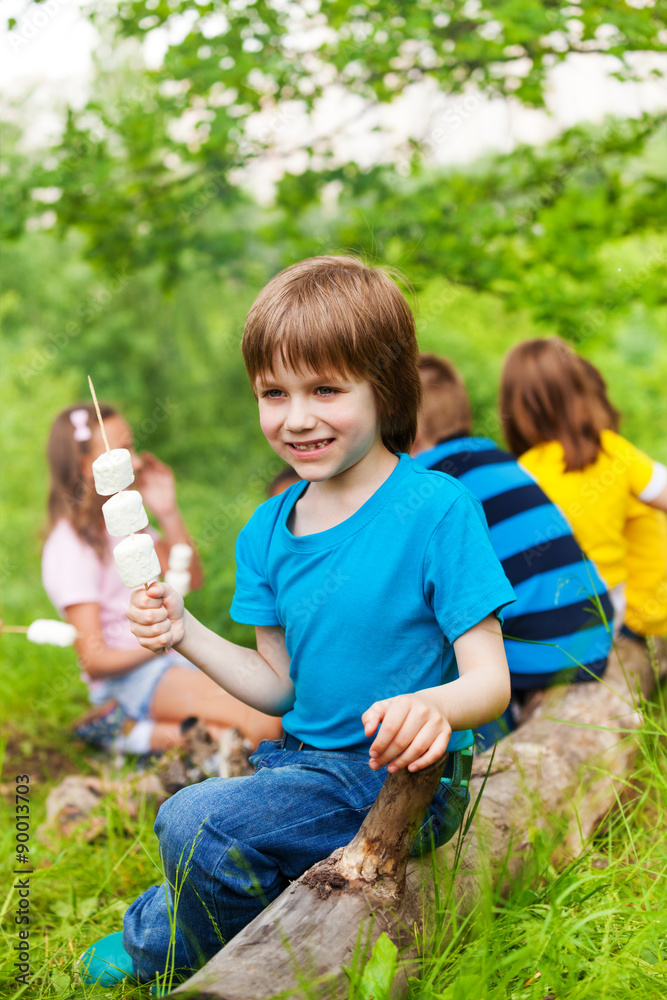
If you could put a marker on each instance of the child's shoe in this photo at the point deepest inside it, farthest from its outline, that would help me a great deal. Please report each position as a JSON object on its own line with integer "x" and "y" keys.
{"x": 100, "y": 727}
{"x": 106, "y": 963}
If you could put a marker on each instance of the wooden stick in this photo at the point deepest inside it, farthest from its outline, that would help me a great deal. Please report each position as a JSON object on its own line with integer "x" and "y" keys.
{"x": 13, "y": 628}
{"x": 99, "y": 415}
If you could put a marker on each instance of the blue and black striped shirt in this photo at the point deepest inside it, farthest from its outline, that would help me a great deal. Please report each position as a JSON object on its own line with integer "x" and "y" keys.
{"x": 559, "y": 592}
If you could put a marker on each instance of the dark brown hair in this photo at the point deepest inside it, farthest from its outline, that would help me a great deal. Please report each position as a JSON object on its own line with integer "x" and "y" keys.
{"x": 445, "y": 409}
{"x": 546, "y": 396}
{"x": 338, "y": 315}
{"x": 599, "y": 387}
{"x": 70, "y": 495}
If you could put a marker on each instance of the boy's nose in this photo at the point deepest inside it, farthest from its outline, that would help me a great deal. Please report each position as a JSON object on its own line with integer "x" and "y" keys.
{"x": 299, "y": 417}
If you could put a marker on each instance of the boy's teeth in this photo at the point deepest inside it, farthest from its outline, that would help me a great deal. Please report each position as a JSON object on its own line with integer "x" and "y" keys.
{"x": 310, "y": 447}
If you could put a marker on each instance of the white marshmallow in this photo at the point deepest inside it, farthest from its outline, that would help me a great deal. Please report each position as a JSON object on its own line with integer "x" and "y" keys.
{"x": 136, "y": 560}
{"x": 179, "y": 579}
{"x": 113, "y": 471}
{"x": 48, "y": 632}
{"x": 124, "y": 513}
{"x": 180, "y": 557}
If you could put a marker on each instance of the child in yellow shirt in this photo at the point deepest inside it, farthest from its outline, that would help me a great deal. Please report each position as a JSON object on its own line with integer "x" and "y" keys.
{"x": 646, "y": 539}
{"x": 554, "y": 420}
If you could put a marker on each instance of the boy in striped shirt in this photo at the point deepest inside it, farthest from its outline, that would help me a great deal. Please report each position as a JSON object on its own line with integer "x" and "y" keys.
{"x": 554, "y": 632}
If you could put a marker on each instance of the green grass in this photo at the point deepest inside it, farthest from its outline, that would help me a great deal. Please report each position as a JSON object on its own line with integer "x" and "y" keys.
{"x": 594, "y": 927}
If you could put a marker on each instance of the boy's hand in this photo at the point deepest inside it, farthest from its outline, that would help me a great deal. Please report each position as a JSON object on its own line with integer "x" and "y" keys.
{"x": 413, "y": 733}
{"x": 156, "y": 616}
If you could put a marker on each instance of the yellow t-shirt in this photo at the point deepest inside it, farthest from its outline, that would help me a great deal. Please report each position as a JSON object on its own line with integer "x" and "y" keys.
{"x": 646, "y": 589}
{"x": 596, "y": 500}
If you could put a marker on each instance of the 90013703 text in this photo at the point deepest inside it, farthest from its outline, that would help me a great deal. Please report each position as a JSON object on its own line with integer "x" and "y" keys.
{"x": 22, "y": 885}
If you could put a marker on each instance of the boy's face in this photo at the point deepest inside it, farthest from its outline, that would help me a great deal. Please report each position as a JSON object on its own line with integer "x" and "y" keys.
{"x": 321, "y": 428}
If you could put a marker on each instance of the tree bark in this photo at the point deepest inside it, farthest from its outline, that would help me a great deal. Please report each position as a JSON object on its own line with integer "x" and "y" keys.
{"x": 565, "y": 765}
{"x": 330, "y": 917}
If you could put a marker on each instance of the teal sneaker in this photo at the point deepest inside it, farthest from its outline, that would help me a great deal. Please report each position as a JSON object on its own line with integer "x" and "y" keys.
{"x": 106, "y": 963}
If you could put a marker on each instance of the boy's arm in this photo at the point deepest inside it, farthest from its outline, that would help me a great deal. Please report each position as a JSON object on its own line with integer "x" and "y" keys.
{"x": 415, "y": 728}
{"x": 260, "y": 677}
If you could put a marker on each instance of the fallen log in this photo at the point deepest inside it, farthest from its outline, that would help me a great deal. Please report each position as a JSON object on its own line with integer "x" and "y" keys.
{"x": 338, "y": 907}
{"x": 564, "y": 768}
{"x": 565, "y": 764}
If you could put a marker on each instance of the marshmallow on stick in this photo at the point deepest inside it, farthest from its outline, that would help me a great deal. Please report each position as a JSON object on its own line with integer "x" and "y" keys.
{"x": 112, "y": 470}
{"x": 178, "y": 574}
{"x": 180, "y": 557}
{"x": 137, "y": 560}
{"x": 179, "y": 579}
{"x": 124, "y": 513}
{"x": 135, "y": 557}
{"x": 45, "y": 632}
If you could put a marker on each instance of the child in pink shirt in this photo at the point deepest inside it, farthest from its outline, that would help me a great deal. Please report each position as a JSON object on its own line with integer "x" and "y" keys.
{"x": 156, "y": 693}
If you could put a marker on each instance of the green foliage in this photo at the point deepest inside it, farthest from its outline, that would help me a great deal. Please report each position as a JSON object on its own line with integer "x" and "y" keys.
{"x": 152, "y": 168}
{"x": 534, "y": 227}
{"x": 379, "y": 972}
{"x": 135, "y": 255}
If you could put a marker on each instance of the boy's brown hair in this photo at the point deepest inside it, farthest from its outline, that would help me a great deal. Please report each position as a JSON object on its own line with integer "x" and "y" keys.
{"x": 445, "y": 410}
{"x": 545, "y": 395}
{"x": 339, "y": 316}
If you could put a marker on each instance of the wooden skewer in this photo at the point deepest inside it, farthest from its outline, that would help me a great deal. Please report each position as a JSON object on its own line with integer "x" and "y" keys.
{"x": 18, "y": 629}
{"x": 106, "y": 445}
{"x": 99, "y": 415}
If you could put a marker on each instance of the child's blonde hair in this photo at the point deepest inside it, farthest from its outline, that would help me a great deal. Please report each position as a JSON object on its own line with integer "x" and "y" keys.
{"x": 337, "y": 315}
{"x": 545, "y": 395}
{"x": 445, "y": 410}
{"x": 70, "y": 496}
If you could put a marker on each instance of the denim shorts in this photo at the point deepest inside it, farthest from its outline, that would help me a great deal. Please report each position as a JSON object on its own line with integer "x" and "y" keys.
{"x": 135, "y": 690}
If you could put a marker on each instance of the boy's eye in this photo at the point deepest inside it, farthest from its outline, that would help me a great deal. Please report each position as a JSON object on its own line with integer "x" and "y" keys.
{"x": 270, "y": 393}
{"x": 326, "y": 390}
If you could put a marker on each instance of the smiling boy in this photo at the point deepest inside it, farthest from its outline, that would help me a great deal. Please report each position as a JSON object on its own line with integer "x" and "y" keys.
{"x": 378, "y": 639}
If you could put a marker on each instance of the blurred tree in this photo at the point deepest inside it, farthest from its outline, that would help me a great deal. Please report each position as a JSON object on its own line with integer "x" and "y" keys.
{"x": 534, "y": 226}
{"x": 152, "y": 168}
{"x": 151, "y": 149}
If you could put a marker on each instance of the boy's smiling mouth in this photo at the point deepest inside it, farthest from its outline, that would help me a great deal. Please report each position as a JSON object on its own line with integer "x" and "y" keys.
{"x": 309, "y": 447}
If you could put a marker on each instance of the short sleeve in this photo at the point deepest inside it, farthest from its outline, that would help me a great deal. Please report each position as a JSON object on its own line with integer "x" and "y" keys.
{"x": 71, "y": 569}
{"x": 254, "y": 601}
{"x": 464, "y": 581}
{"x": 646, "y": 478}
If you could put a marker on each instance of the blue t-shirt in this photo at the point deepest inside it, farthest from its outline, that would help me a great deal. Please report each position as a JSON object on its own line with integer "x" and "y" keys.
{"x": 372, "y": 606}
{"x": 553, "y": 583}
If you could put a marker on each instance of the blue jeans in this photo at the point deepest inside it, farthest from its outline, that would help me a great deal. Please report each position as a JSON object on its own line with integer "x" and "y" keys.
{"x": 231, "y": 845}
